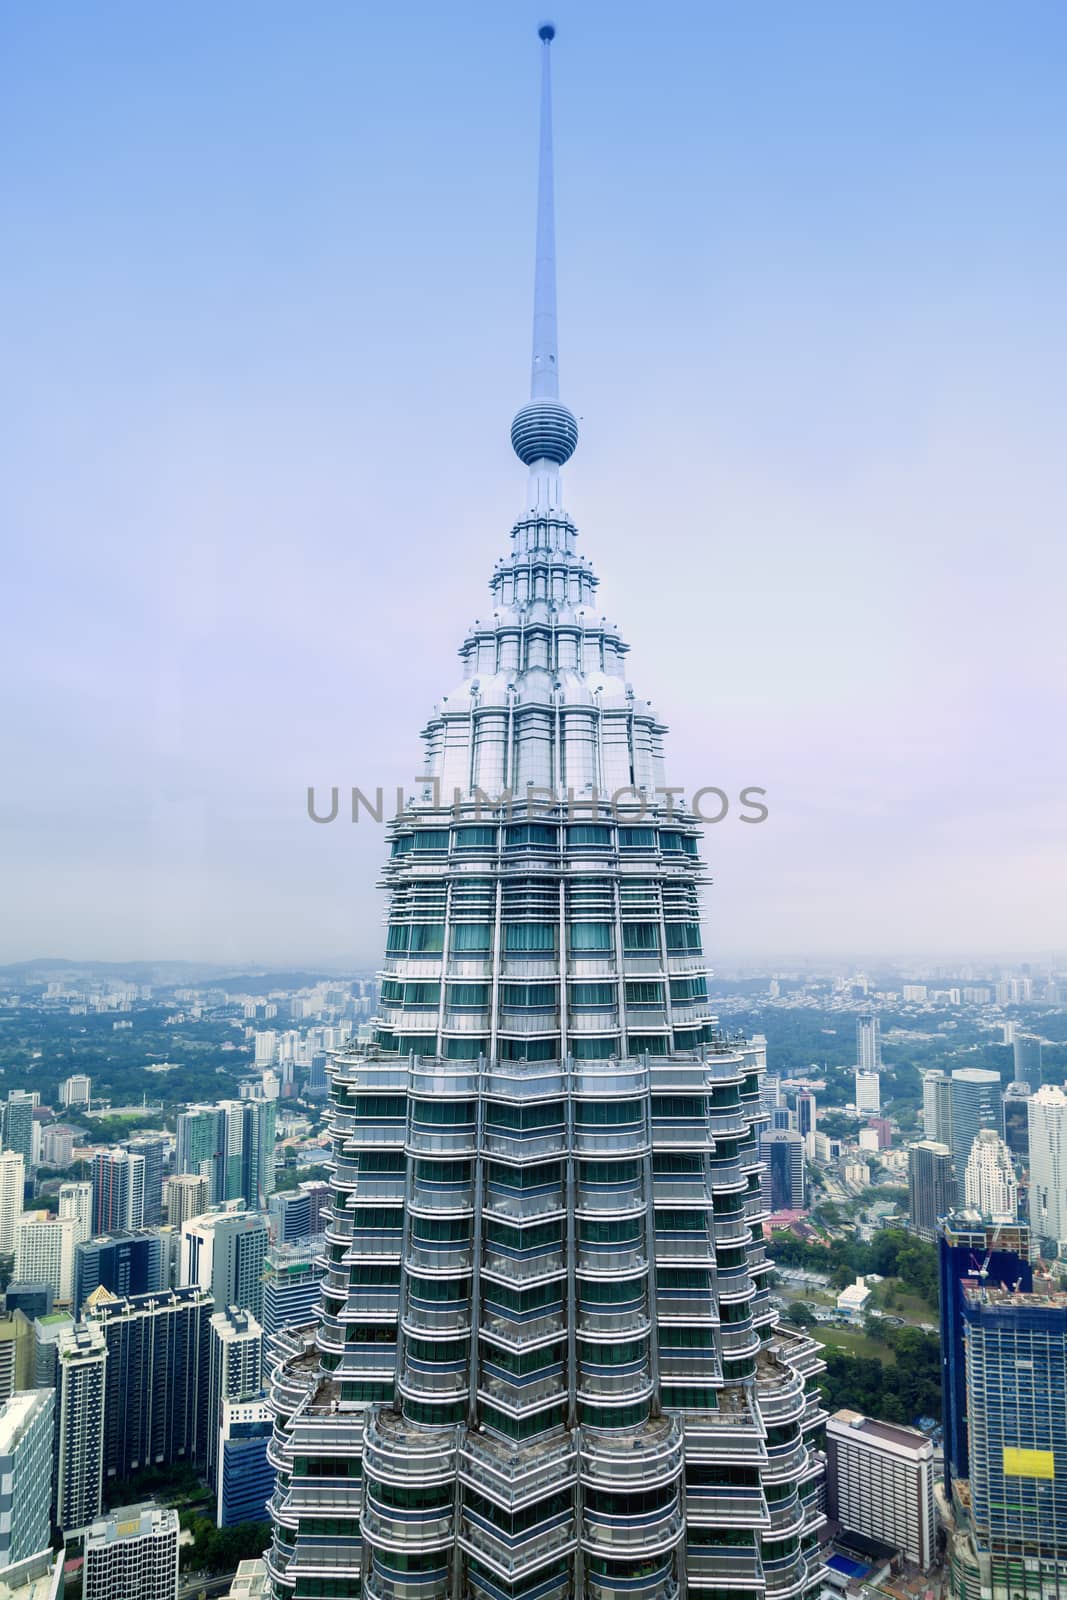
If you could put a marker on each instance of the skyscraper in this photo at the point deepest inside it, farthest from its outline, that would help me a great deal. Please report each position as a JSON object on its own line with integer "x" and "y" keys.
{"x": 152, "y": 1148}
{"x": 989, "y": 1182}
{"x": 546, "y": 1163}
{"x": 1047, "y": 1113}
{"x": 970, "y": 1251}
{"x": 81, "y": 1362}
{"x": 122, "y": 1263}
{"x": 188, "y": 1195}
{"x": 12, "y": 1194}
{"x": 1026, "y": 1059}
{"x": 931, "y": 1187}
{"x": 225, "y": 1251}
{"x": 235, "y": 1371}
{"x": 782, "y": 1150}
{"x": 292, "y": 1276}
{"x": 155, "y": 1410}
{"x": 76, "y": 1202}
{"x": 1017, "y": 1121}
{"x": 868, "y": 1091}
{"x": 232, "y": 1144}
{"x": 937, "y": 1107}
{"x": 1016, "y": 1346}
{"x": 17, "y": 1124}
{"x": 44, "y": 1252}
{"x": 118, "y": 1191}
{"x": 868, "y": 1043}
{"x": 27, "y": 1426}
{"x": 976, "y": 1104}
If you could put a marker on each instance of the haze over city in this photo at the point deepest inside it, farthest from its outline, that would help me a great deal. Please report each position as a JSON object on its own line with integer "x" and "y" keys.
{"x": 267, "y": 323}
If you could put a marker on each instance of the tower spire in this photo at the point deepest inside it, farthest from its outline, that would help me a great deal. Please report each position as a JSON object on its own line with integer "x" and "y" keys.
{"x": 544, "y": 373}
{"x": 544, "y": 432}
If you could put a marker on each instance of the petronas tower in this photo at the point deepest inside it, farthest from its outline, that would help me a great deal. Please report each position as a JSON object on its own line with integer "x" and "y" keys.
{"x": 545, "y": 1363}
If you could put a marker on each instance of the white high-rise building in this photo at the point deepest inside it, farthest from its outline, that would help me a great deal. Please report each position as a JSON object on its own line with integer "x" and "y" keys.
{"x": 44, "y": 1252}
{"x": 132, "y": 1554}
{"x": 235, "y": 1370}
{"x": 880, "y": 1483}
{"x": 868, "y": 1091}
{"x": 12, "y": 1191}
{"x": 77, "y": 1090}
{"x": 76, "y": 1202}
{"x": 1047, "y": 1124}
{"x": 26, "y": 1434}
{"x": 81, "y": 1362}
{"x": 868, "y": 1045}
{"x": 989, "y": 1181}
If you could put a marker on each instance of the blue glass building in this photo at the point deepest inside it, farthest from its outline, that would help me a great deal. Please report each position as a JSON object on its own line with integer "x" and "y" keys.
{"x": 967, "y": 1247}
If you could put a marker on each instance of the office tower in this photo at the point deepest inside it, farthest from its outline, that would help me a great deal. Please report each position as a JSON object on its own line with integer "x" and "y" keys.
{"x": 132, "y": 1554}
{"x": 12, "y": 1195}
{"x": 77, "y": 1090}
{"x": 57, "y": 1146}
{"x": 76, "y": 1202}
{"x": 805, "y": 1112}
{"x": 156, "y": 1393}
{"x": 81, "y": 1362}
{"x": 32, "y": 1299}
{"x": 152, "y": 1149}
{"x": 118, "y": 1191}
{"x": 187, "y": 1195}
{"x": 1016, "y": 1104}
{"x": 933, "y": 1084}
{"x": 232, "y": 1144}
{"x": 224, "y": 1251}
{"x": 235, "y": 1371}
{"x": 931, "y": 1187}
{"x": 198, "y": 1146}
{"x": 970, "y": 1251}
{"x": 989, "y": 1182}
{"x": 27, "y": 1426}
{"x": 1016, "y": 1513}
{"x": 782, "y": 1149}
{"x": 1026, "y": 1051}
{"x": 44, "y": 1252}
{"x": 882, "y": 1128}
{"x": 976, "y": 1104}
{"x": 318, "y": 1085}
{"x": 47, "y": 1331}
{"x": 868, "y": 1092}
{"x": 244, "y": 1480}
{"x": 299, "y": 1213}
{"x": 123, "y": 1263}
{"x": 292, "y": 1279}
{"x": 1047, "y": 1139}
{"x": 546, "y": 1162}
{"x": 18, "y": 1124}
{"x": 16, "y": 1353}
{"x": 868, "y": 1044}
{"x": 880, "y": 1483}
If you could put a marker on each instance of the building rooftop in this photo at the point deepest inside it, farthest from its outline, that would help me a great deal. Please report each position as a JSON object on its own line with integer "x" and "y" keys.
{"x": 249, "y": 1581}
{"x": 38, "y": 1577}
{"x": 886, "y": 1432}
{"x": 16, "y": 1413}
{"x": 130, "y": 1522}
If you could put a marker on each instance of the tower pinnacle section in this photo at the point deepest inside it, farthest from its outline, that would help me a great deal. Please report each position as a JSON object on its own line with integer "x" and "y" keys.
{"x": 544, "y": 433}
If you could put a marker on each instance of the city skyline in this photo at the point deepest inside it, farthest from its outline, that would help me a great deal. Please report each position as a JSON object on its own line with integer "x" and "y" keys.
{"x": 812, "y": 288}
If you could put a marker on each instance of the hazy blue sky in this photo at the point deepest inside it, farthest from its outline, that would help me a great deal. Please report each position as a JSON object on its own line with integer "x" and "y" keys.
{"x": 267, "y": 281}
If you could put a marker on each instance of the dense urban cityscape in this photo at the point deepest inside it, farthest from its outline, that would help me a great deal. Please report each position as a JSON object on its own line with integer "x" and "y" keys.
{"x": 540, "y": 1261}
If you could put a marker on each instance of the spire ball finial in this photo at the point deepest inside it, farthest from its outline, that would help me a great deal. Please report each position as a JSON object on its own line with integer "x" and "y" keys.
{"x": 547, "y": 32}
